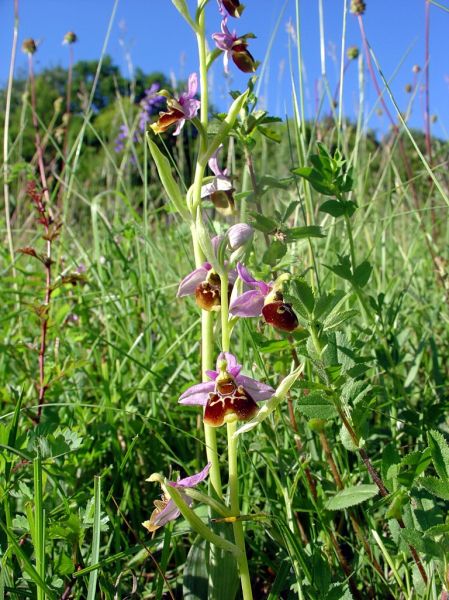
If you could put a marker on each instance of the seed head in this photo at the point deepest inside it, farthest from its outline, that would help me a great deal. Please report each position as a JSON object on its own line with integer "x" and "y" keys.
{"x": 29, "y": 46}
{"x": 358, "y": 7}
{"x": 70, "y": 38}
{"x": 352, "y": 53}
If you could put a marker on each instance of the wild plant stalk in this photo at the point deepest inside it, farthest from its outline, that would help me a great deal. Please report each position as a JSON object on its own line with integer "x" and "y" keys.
{"x": 50, "y": 233}
{"x": 67, "y": 116}
{"x": 6, "y": 136}
{"x": 207, "y": 349}
{"x": 37, "y": 137}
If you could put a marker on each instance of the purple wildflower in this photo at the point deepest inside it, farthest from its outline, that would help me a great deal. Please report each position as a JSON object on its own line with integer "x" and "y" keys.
{"x": 120, "y": 140}
{"x": 180, "y": 110}
{"x": 250, "y": 303}
{"x": 234, "y": 47}
{"x": 149, "y": 104}
{"x": 205, "y": 283}
{"x": 229, "y": 396}
{"x": 166, "y": 510}
{"x": 220, "y": 189}
{"x": 264, "y": 300}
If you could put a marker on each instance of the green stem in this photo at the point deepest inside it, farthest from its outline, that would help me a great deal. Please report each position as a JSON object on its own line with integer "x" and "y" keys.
{"x": 351, "y": 242}
{"x": 207, "y": 345}
{"x": 209, "y": 432}
{"x": 224, "y": 301}
{"x": 239, "y": 537}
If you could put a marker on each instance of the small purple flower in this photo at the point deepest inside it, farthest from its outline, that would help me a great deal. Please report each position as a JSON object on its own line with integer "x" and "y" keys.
{"x": 234, "y": 47}
{"x": 122, "y": 137}
{"x": 230, "y": 7}
{"x": 220, "y": 189}
{"x": 149, "y": 104}
{"x": 205, "y": 283}
{"x": 228, "y": 396}
{"x": 250, "y": 303}
{"x": 264, "y": 300}
{"x": 166, "y": 510}
{"x": 185, "y": 108}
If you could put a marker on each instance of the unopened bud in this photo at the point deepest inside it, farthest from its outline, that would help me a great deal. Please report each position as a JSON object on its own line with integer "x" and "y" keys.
{"x": 358, "y": 7}
{"x": 70, "y": 38}
{"x": 408, "y": 88}
{"x": 352, "y": 53}
{"x": 416, "y": 68}
{"x": 29, "y": 46}
{"x": 239, "y": 235}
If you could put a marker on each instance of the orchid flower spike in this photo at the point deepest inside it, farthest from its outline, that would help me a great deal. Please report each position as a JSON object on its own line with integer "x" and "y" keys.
{"x": 205, "y": 283}
{"x": 165, "y": 509}
{"x": 180, "y": 110}
{"x": 229, "y": 396}
{"x": 220, "y": 190}
{"x": 235, "y": 48}
{"x": 264, "y": 299}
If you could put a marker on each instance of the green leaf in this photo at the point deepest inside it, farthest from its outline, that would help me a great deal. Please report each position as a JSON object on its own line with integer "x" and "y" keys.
{"x": 435, "y": 486}
{"x": 333, "y": 207}
{"x": 317, "y": 406}
{"x": 351, "y": 496}
{"x": 343, "y": 268}
{"x": 362, "y": 273}
{"x": 412, "y": 465}
{"x": 335, "y": 320}
{"x": 195, "y": 581}
{"x": 440, "y": 453}
{"x": 303, "y": 296}
{"x": 271, "y": 133}
{"x": 421, "y": 543}
{"x": 275, "y": 251}
{"x": 165, "y": 175}
{"x": 301, "y": 233}
{"x": 316, "y": 180}
{"x": 326, "y": 304}
{"x": 262, "y": 223}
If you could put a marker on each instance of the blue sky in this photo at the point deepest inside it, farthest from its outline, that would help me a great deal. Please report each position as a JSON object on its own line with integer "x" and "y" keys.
{"x": 156, "y": 38}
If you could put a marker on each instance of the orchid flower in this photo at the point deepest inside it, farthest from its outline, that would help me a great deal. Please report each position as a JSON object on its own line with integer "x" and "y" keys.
{"x": 232, "y": 7}
{"x": 229, "y": 396}
{"x": 166, "y": 510}
{"x": 205, "y": 283}
{"x": 180, "y": 110}
{"x": 264, "y": 299}
{"x": 234, "y": 47}
{"x": 220, "y": 189}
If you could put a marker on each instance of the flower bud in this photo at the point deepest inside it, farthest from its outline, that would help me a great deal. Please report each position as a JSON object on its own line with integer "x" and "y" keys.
{"x": 408, "y": 88}
{"x": 358, "y": 7}
{"x": 352, "y": 53}
{"x": 239, "y": 235}
{"x": 29, "y": 46}
{"x": 416, "y": 69}
{"x": 70, "y": 38}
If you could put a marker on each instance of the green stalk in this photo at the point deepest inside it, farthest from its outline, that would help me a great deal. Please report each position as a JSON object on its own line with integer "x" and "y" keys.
{"x": 39, "y": 541}
{"x": 207, "y": 346}
{"x": 239, "y": 537}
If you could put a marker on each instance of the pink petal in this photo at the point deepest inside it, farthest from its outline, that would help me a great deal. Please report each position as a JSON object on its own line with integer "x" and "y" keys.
{"x": 197, "y": 394}
{"x": 232, "y": 365}
{"x": 257, "y": 390}
{"x": 249, "y": 304}
{"x": 193, "y": 480}
{"x": 169, "y": 513}
{"x": 212, "y": 374}
{"x": 191, "y": 281}
{"x": 179, "y": 126}
{"x": 192, "y": 85}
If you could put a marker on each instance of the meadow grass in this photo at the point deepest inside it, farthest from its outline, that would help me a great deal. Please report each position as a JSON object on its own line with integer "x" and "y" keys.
{"x": 121, "y": 348}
